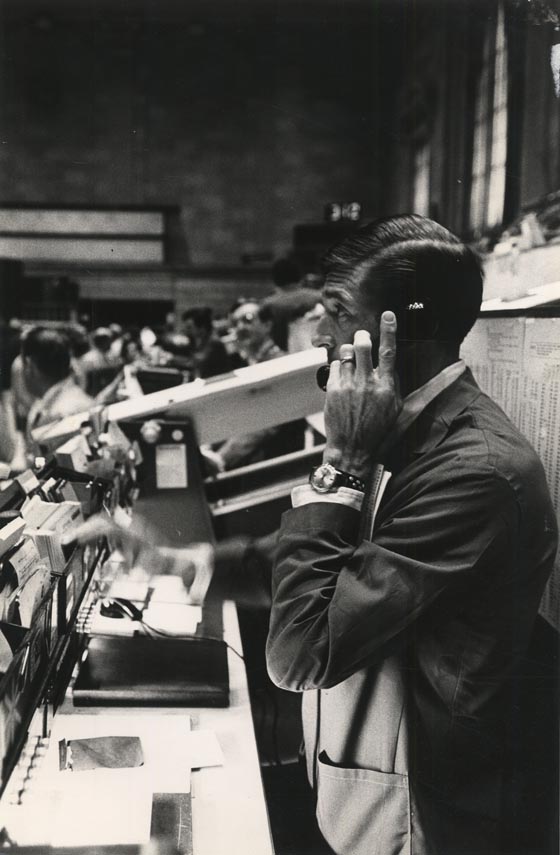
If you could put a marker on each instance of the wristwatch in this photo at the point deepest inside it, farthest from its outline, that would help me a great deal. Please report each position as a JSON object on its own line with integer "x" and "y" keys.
{"x": 326, "y": 478}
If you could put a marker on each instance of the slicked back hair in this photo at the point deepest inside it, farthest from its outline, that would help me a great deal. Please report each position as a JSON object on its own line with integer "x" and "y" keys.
{"x": 406, "y": 259}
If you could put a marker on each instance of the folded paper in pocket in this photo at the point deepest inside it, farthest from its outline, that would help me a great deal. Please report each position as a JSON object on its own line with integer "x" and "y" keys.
{"x": 100, "y": 752}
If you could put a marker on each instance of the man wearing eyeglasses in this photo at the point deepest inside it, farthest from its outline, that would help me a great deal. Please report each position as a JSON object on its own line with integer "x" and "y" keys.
{"x": 252, "y": 326}
{"x": 409, "y": 571}
{"x": 408, "y": 575}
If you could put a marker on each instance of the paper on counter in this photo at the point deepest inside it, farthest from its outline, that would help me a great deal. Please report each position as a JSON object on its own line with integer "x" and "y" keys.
{"x": 113, "y": 813}
{"x": 108, "y": 807}
{"x": 168, "y": 589}
{"x": 79, "y": 818}
{"x": 129, "y": 589}
{"x": 165, "y": 744}
{"x": 172, "y": 618}
{"x": 164, "y": 589}
{"x": 205, "y": 750}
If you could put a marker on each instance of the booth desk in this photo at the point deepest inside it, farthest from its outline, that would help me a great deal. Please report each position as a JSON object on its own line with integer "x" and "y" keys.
{"x": 226, "y": 805}
{"x": 229, "y": 813}
{"x": 226, "y": 802}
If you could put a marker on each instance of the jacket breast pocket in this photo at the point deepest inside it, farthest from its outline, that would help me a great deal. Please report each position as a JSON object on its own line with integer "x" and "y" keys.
{"x": 361, "y": 811}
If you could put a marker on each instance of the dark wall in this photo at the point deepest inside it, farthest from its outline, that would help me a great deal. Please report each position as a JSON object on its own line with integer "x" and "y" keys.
{"x": 249, "y": 125}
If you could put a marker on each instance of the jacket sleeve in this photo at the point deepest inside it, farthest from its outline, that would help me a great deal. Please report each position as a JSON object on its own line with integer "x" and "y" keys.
{"x": 339, "y": 603}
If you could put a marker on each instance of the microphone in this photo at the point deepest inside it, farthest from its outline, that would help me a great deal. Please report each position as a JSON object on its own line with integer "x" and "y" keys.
{"x": 322, "y": 376}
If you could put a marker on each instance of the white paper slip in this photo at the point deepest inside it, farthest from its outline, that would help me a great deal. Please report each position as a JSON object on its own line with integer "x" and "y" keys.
{"x": 130, "y": 589}
{"x": 172, "y": 618}
{"x": 81, "y": 814}
{"x": 30, "y": 594}
{"x": 171, "y": 466}
{"x": 168, "y": 589}
{"x": 103, "y": 811}
{"x": 28, "y": 480}
{"x": 205, "y": 750}
{"x": 37, "y": 511}
{"x": 25, "y": 560}
{"x": 10, "y": 534}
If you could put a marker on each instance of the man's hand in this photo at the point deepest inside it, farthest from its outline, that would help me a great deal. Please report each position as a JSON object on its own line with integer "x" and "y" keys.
{"x": 213, "y": 460}
{"x": 138, "y": 543}
{"x": 362, "y": 403}
{"x": 135, "y": 541}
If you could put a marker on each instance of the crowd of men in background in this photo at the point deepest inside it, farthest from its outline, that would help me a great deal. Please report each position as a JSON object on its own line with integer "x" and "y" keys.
{"x": 53, "y": 370}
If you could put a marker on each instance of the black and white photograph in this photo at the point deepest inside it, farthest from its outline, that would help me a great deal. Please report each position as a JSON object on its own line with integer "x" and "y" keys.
{"x": 280, "y": 427}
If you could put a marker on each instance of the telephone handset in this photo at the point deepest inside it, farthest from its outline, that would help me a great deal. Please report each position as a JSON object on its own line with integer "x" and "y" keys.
{"x": 414, "y": 323}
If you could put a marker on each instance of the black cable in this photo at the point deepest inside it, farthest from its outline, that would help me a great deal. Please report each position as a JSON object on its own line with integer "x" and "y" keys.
{"x": 274, "y": 729}
{"x": 154, "y": 632}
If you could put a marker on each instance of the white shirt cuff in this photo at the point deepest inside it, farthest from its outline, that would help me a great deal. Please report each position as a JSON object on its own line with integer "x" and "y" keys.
{"x": 305, "y": 495}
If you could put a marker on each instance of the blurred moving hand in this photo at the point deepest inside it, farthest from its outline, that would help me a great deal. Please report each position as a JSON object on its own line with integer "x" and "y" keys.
{"x": 138, "y": 542}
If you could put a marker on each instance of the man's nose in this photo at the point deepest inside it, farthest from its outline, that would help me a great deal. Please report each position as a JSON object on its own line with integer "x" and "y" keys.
{"x": 322, "y": 337}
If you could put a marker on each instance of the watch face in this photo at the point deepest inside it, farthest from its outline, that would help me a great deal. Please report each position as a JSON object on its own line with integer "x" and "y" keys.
{"x": 323, "y": 478}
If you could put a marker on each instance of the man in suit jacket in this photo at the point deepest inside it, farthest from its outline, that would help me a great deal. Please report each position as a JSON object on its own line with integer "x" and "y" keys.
{"x": 253, "y": 331}
{"x": 410, "y": 569}
{"x": 407, "y": 630}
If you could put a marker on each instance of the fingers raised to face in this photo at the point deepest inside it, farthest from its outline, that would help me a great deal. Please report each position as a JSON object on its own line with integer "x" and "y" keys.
{"x": 346, "y": 360}
{"x": 356, "y": 360}
{"x": 362, "y": 351}
{"x": 387, "y": 344}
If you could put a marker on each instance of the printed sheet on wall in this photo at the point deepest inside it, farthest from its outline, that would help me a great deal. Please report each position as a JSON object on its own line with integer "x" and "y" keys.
{"x": 517, "y": 362}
